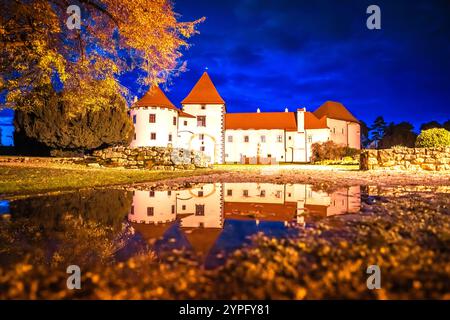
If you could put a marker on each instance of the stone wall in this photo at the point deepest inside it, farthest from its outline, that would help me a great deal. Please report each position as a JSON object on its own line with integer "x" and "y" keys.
{"x": 155, "y": 158}
{"x": 407, "y": 159}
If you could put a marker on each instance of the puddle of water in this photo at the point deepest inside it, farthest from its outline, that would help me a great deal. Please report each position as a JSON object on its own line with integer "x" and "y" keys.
{"x": 210, "y": 221}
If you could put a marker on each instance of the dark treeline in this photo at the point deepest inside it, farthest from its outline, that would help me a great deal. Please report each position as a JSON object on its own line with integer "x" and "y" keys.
{"x": 384, "y": 135}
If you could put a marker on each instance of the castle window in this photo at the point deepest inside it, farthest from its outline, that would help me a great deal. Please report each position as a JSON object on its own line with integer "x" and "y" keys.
{"x": 279, "y": 138}
{"x": 245, "y": 193}
{"x": 278, "y": 194}
{"x": 263, "y": 193}
{"x": 152, "y": 118}
{"x": 134, "y": 136}
{"x": 229, "y": 192}
{"x": 153, "y": 136}
{"x": 230, "y": 138}
{"x": 309, "y": 138}
{"x": 170, "y": 137}
{"x": 174, "y": 121}
{"x": 202, "y": 148}
{"x": 201, "y": 121}
{"x": 200, "y": 193}
{"x": 150, "y": 211}
{"x": 134, "y": 119}
{"x": 203, "y": 107}
{"x": 202, "y": 137}
{"x": 199, "y": 209}
{"x": 290, "y": 138}
{"x": 342, "y": 130}
{"x": 183, "y": 207}
{"x": 151, "y": 194}
{"x": 173, "y": 208}
{"x": 132, "y": 210}
{"x": 185, "y": 123}
{"x": 169, "y": 193}
{"x": 263, "y": 139}
{"x": 246, "y": 139}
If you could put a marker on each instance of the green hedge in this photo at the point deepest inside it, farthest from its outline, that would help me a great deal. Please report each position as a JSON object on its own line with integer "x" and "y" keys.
{"x": 437, "y": 137}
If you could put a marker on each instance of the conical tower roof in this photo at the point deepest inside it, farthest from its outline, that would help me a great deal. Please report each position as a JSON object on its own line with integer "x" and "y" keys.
{"x": 155, "y": 97}
{"x": 204, "y": 92}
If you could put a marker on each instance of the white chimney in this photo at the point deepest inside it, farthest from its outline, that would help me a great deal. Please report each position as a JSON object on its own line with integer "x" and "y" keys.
{"x": 301, "y": 119}
{"x": 135, "y": 99}
{"x": 258, "y": 110}
{"x": 286, "y": 110}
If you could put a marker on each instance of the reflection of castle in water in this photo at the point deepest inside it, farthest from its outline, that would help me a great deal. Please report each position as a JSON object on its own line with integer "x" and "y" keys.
{"x": 203, "y": 214}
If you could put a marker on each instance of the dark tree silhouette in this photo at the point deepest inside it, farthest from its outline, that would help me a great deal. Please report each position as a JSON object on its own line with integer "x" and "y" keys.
{"x": 377, "y": 129}
{"x": 364, "y": 130}
{"x": 401, "y": 134}
{"x": 430, "y": 125}
{"x": 446, "y": 125}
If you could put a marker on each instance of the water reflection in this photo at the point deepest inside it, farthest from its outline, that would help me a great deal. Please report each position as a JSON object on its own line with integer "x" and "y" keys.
{"x": 215, "y": 219}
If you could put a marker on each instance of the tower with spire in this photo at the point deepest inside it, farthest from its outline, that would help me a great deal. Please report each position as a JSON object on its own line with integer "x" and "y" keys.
{"x": 155, "y": 120}
{"x": 207, "y": 106}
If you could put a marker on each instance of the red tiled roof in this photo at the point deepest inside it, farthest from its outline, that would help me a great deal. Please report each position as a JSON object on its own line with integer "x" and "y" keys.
{"x": 204, "y": 92}
{"x": 312, "y": 122}
{"x": 155, "y": 97}
{"x": 262, "y": 211}
{"x": 334, "y": 110}
{"x": 181, "y": 113}
{"x": 267, "y": 120}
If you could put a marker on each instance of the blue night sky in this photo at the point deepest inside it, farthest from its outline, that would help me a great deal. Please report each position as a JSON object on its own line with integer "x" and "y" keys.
{"x": 283, "y": 53}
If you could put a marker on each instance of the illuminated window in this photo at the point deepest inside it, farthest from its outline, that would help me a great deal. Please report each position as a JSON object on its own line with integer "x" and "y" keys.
{"x": 199, "y": 209}
{"x": 201, "y": 121}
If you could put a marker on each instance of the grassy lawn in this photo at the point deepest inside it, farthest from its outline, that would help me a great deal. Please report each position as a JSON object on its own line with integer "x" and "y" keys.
{"x": 26, "y": 179}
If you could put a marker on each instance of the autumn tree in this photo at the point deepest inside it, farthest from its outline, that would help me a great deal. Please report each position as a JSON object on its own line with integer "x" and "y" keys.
{"x": 39, "y": 50}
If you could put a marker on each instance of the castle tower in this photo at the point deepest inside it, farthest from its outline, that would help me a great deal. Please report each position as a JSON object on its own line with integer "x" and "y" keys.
{"x": 155, "y": 120}
{"x": 208, "y": 132}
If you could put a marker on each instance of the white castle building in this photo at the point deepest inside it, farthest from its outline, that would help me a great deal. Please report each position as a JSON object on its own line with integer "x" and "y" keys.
{"x": 251, "y": 138}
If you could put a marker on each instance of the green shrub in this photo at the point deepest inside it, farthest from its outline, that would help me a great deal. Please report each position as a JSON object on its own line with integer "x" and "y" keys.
{"x": 332, "y": 151}
{"x": 437, "y": 137}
